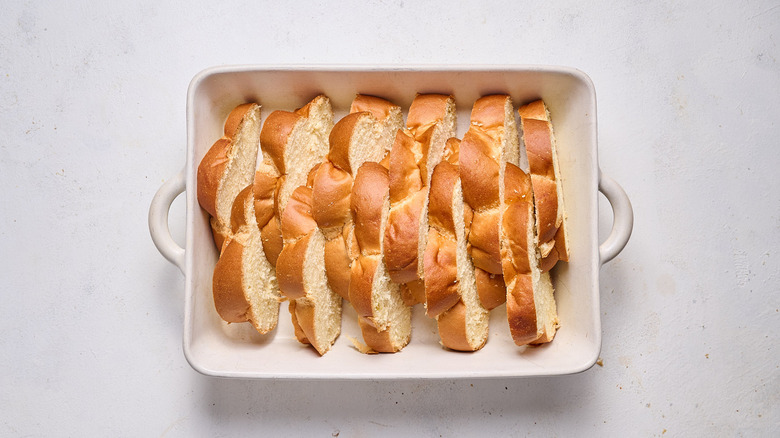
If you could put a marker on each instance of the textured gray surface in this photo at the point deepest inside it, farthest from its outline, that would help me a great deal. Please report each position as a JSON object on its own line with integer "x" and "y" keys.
{"x": 92, "y": 121}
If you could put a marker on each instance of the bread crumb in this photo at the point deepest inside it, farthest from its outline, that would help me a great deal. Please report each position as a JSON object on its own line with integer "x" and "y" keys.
{"x": 361, "y": 347}
{"x": 600, "y": 362}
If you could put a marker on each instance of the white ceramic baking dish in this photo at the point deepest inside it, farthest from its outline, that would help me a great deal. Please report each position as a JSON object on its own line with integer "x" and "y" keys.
{"x": 215, "y": 348}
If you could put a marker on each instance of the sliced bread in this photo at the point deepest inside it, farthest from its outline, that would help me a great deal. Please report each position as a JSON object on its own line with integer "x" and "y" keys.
{"x": 450, "y": 280}
{"x": 530, "y": 303}
{"x": 244, "y": 282}
{"x": 491, "y": 142}
{"x": 383, "y": 317}
{"x": 413, "y": 156}
{"x": 228, "y": 167}
{"x": 540, "y": 147}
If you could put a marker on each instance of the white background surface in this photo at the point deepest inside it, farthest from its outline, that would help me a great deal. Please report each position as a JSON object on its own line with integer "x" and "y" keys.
{"x": 92, "y": 117}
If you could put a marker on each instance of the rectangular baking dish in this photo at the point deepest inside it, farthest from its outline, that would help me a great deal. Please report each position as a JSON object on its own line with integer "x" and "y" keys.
{"x": 216, "y": 348}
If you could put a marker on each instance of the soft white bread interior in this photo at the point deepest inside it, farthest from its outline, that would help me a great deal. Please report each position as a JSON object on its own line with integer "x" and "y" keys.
{"x": 244, "y": 282}
{"x": 539, "y": 140}
{"x": 384, "y": 318}
{"x": 365, "y": 135}
{"x": 414, "y": 154}
{"x": 530, "y": 302}
{"x": 315, "y": 308}
{"x": 450, "y": 280}
{"x": 490, "y": 143}
{"x": 228, "y": 166}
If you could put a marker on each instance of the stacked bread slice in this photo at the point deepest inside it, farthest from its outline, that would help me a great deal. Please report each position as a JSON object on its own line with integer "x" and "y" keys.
{"x": 491, "y": 142}
{"x": 228, "y": 166}
{"x": 545, "y": 171}
{"x": 362, "y": 136}
{"x": 450, "y": 281}
{"x": 415, "y": 153}
{"x": 385, "y": 217}
{"x": 384, "y": 318}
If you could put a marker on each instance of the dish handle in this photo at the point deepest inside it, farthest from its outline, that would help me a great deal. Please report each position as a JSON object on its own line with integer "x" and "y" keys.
{"x": 158, "y": 220}
{"x": 623, "y": 218}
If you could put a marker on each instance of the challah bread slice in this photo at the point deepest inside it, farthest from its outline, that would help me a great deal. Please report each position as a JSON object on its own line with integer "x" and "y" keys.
{"x": 450, "y": 280}
{"x": 545, "y": 172}
{"x": 244, "y": 282}
{"x": 292, "y": 143}
{"x": 228, "y": 167}
{"x": 365, "y": 135}
{"x": 315, "y": 308}
{"x": 530, "y": 302}
{"x": 487, "y": 146}
{"x": 384, "y": 318}
{"x": 413, "y": 156}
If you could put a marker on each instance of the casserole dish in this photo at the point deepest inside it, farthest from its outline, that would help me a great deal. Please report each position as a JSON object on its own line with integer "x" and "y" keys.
{"x": 216, "y": 348}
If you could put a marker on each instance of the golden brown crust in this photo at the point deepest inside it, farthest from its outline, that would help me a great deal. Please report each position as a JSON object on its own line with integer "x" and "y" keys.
{"x": 297, "y": 220}
{"x": 299, "y": 334}
{"x": 441, "y": 273}
{"x": 491, "y": 288}
{"x": 340, "y": 139}
{"x": 289, "y": 268}
{"x": 371, "y": 186}
{"x": 479, "y": 170}
{"x": 378, "y": 341}
{"x": 210, "y": 171}
{"x": 452, "y": 151}
{"x": 427, "y": 110}
{"x": 237, "y": 212}
{"x": 337, "y": 264}
{"x": 413, "y": 292}
{"x": 518, "y": 264}
{"x": 488, "y": 112}
{"x": 378, "y": 107}
{"x": 405, "y": 175}
{"x": 452, "y": 329}
{"x": 275, "y": 134}
{"x": 521, "y": 311}
{"x": 227, "y": 287}
{"x": 440, "y": 261}
{"x": 362, "y": 277}
{"x": 331, "y": 191}
{"x": 271, "y": 236}
{"x": 265, "y": 190}
{"x": 235, "y": 118}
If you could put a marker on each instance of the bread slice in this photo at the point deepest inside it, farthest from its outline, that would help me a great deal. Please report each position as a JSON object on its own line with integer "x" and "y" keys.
{"x": 244, "y": 282}
{"x": 413, "y": 156}
{"x": 490, "y": 143}
{"x": 315, "y": 308}
{"x": 545, "y": 172}
{"x": 318, "y": 231}
{"x": 365, "y": 135}
{"x": 292, "y": 143}
{"x": 384, "y": 318}
{"x": 450, "y": 280}
{"x": 228, "y": 167}
{"x": 530, "y": 302}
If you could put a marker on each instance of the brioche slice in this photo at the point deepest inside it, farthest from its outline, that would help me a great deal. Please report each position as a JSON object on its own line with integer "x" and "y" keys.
{"x": 244, "y": 282}
{"x": 413, "y": 156}
{"x": 228, "y": 167}
{"x": 490, "y": 143}
{"x": 365, "y": 135}
{"x": 530, "y": 303}
{"x": 384, "y": 318}
{"x": 315, "y": 308}
{"x": 292, "y": 143}
{"x": 450, "y": 280}
{"x": 545, "y": 172}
